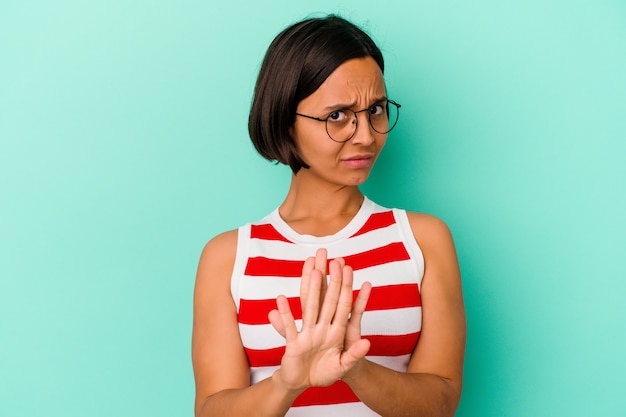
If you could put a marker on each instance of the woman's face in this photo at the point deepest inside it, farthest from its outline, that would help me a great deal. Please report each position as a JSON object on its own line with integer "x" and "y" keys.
{"x": 356, "y": 84}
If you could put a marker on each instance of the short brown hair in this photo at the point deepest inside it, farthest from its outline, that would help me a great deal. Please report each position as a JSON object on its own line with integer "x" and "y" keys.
{"x": 296, "y": 63}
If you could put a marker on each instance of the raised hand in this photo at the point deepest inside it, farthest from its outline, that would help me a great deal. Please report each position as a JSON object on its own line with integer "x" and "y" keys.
{"x": 329, "y": 343}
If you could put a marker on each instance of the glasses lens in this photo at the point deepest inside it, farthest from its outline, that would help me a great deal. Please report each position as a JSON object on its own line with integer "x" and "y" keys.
{"x": 386, "y": 119}
{"x": 341, "y": 125}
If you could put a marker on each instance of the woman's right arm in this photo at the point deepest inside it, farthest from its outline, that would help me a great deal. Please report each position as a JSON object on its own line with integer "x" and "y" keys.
{"x": 221, "y": 369}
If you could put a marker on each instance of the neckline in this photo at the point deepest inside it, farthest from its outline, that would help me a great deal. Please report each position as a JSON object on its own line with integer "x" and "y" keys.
{"x": 359, "y": 219}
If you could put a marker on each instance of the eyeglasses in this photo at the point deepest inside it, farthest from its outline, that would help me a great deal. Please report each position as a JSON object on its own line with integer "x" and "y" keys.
{"x": 341, "y": 125}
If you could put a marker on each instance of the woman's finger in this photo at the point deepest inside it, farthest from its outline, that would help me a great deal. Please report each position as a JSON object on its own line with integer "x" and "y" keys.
{"x": 321, "y": 257}
{"x": 354, "y": 353}
{"x": 307, "y": 268}
{"x": 344, "y": 304}
{"x": 311, "y": 307}
{"x": 353, "y": 329}
{"x": 361, "y": 300}
{"x": 277, "y": 322}
{"x": 321, "y": 262}
{"x": 331, "y": 297}
{"x": 288, "y": 323}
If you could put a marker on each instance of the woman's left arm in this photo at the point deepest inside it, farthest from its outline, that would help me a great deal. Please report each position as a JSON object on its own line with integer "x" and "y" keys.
{"x": 432, "y": 384}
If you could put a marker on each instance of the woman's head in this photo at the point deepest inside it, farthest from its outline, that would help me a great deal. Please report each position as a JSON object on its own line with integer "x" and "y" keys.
{"x": 297, "y": 62}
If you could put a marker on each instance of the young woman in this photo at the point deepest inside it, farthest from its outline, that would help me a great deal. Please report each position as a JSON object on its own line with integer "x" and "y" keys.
{"x": 331, "y": 305}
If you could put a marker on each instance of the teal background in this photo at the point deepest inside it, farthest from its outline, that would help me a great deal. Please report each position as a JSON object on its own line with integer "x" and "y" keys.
{"x": 124, "y": 148}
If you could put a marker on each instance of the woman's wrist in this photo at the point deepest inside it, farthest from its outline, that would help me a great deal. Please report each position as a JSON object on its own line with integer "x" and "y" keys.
{"x": 283, "y": 388}
{"x": 357, "y": 373}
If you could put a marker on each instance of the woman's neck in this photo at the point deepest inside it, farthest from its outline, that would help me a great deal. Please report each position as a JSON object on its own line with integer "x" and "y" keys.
{"x": 319, "y": 209}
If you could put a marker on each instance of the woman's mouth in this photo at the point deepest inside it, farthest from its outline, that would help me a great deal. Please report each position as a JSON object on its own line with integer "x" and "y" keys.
{"x": 359, "y": 161}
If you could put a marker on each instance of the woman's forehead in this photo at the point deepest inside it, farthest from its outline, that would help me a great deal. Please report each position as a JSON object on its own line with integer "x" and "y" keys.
{"x": 354, "y": 80}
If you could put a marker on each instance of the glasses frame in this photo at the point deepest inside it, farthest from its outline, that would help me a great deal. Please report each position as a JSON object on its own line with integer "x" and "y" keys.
{"x": 356, "y": 120}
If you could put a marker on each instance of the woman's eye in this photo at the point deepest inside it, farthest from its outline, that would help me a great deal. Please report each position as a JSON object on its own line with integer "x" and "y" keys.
{"x": 337, "y": 116}
{"x": 377, "y": 110}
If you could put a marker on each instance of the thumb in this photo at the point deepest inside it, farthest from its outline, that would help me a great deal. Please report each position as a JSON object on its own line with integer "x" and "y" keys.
{"x": 277, "y": 322}
{"x": 356, "y": 352}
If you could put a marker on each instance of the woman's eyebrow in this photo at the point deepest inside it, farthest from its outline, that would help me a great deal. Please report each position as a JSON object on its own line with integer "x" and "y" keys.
{"x": 339, "y": 106}
{"x": 350, "y": 105}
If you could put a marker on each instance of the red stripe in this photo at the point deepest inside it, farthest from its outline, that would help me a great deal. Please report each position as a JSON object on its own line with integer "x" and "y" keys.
{"x": 265, "y": 357}
{"x": 377, "y": 221}
{"x": 392, "y": 345}
{"x": 392, "y": 252}
{"x": 337, "y": 393}
{"x": 382, "y": 298}
{"x": 266, "y": 232}
{"x": 380, "y": 346}
{"x": 393, "y": 296}
{"x": 264, "y": 267}
{"x": 256, "y": 311}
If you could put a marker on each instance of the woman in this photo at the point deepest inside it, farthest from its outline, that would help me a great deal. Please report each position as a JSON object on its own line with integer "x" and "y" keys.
{"x": 331, "y": 305}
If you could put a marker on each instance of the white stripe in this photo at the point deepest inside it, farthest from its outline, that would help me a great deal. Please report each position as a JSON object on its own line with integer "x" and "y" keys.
{"x": 268, "y": 288}
{"x": 275, "y": 249}
{"x": 262, "y": 336}
{"x": 399, "y": 321}
{"x": 393, "y": 273}
{"x": 397, "y": 363}
{"x": 365, "y": 242}
{"x": 407, "y": 236}
{"x": 259, "y": 373}
{"x": 241, "y": 258}
{"x": 336, "y": 410}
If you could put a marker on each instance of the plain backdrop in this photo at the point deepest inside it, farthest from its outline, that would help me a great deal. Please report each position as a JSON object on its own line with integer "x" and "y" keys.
{"x": 124, "y": 148}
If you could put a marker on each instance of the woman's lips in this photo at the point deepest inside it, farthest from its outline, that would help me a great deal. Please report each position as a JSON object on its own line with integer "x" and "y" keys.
{"x": 364, "y": 161}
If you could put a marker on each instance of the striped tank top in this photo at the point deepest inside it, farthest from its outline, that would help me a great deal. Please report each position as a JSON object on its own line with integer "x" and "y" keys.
{"x": 379, "y": 245}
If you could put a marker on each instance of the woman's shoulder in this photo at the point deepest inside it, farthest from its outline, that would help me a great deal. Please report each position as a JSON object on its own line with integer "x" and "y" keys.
{"x": 429, "y": 230}
{"x": 221, "y": 250}
{"x": 222, "y": 242}
{"x": 218, "y": 256}
{"x": 425, "y": 220}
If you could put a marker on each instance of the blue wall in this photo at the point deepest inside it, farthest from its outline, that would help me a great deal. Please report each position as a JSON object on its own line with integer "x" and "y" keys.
{"x": 124, "y": 148}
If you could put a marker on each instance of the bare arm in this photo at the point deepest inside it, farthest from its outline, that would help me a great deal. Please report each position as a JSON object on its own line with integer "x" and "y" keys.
{"x": 220, "y": 365}
{"x": 432, "y": 384}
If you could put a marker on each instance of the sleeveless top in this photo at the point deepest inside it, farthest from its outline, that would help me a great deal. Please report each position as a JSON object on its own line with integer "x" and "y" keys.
{"x": 379, "y": 245}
